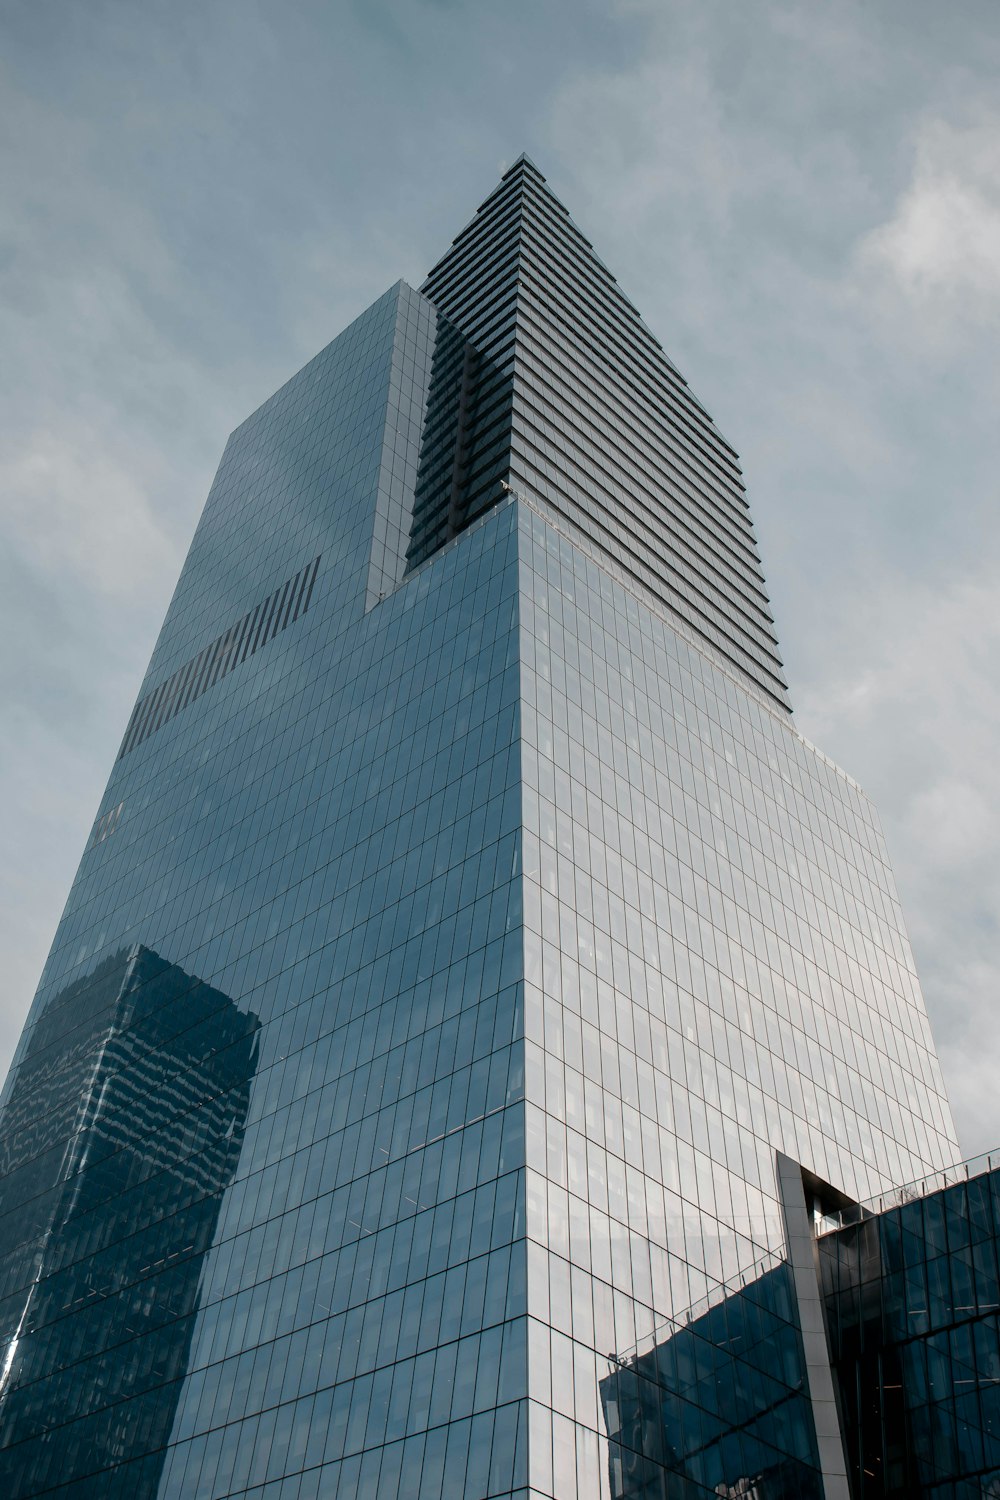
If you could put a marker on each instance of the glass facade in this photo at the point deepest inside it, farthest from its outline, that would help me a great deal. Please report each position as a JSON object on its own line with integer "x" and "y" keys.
{"x": 718, "y": 1405}
{"x": 714, "y": 970}
{"x": 464, "y": 928}
{"x": 139, "y": 1077}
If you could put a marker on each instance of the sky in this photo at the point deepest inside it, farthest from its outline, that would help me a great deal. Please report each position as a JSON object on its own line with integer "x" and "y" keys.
{"x": 803, "y": 200}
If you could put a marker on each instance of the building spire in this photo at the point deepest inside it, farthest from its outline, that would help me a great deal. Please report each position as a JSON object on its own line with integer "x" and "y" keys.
{"x": 588, "y": 415}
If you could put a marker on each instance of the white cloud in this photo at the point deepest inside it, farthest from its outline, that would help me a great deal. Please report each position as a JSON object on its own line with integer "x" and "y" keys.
{"x": 913, "y": 695}
{"x": 943, "y": 237}
{"x": 731, "y": 176}
{"x": 956, "y": 821}
{"x": 75, "y": 507}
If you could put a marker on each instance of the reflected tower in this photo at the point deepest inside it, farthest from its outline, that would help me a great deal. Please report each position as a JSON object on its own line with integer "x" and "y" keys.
{"x": 465, "y": 766}
{"x": 118, "y": 1139}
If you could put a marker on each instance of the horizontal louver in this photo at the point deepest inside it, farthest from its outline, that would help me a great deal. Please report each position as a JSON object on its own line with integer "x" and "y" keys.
{"x": 203, "y": 671}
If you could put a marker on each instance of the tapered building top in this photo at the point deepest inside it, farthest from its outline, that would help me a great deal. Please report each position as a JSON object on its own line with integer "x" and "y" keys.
{"x": 567, "y": 396}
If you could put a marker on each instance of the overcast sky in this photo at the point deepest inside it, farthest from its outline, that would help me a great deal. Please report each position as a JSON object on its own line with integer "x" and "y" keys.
{"x": 802, "y": 198}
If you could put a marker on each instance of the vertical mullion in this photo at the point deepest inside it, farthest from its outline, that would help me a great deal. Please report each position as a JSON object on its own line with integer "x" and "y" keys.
{"x": 305, "y": 602}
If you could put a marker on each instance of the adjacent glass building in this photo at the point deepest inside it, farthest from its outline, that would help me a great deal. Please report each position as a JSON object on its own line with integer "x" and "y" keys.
{"x": 720, "y": 1401}
{"x": 467, "y": 950}
{"x": 911, "y": 1289}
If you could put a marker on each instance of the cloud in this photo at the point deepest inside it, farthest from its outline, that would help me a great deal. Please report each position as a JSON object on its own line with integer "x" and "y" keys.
{"x": 99, "y": 496}
{"x": 942, "y": 240}
{"x": 912, "y": 693}
{"x": 799, "y": 198}
{"x": 808, "y": 217}
{"x": 74, "y": 508}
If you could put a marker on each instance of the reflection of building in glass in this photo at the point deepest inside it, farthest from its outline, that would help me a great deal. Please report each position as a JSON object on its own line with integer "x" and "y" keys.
{"x": 910, "y": 1288}
{"x": 464, "y": 763}
{"x": 118, "y": 1138}
{"x": 718, "y": 1405}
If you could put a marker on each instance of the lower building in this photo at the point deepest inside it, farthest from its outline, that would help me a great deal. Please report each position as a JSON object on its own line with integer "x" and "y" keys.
{"x": 719, "y": 1406}
{"x": 911, "y": 1292}
{"x": 723, "y": 1403}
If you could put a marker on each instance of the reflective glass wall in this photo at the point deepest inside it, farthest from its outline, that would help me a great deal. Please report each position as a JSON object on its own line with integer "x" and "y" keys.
{"x": 715, "y": 969}
{"x": 263, "y": 1205}
{"x": 140, "y": 1081}
{"x": 717, "y": 1403}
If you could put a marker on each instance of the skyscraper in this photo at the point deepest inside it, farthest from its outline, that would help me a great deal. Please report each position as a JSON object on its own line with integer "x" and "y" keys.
{"x": 533, "y": 952}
